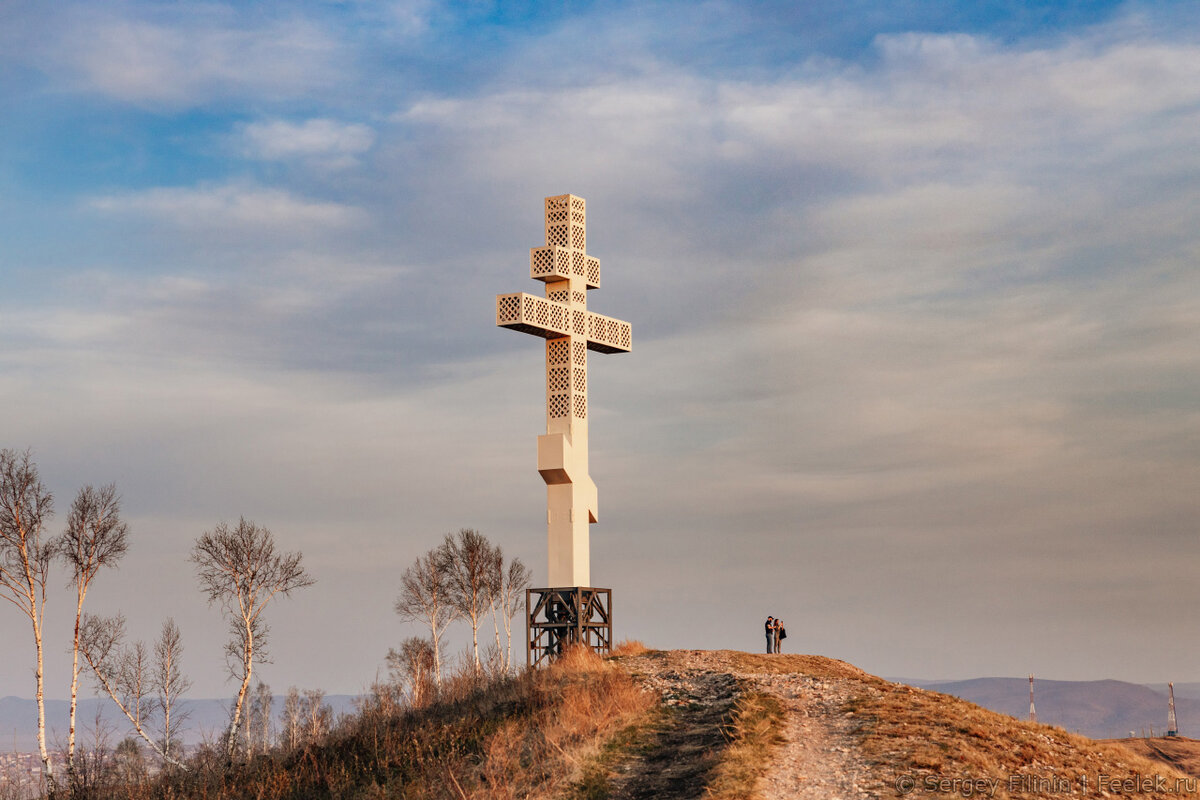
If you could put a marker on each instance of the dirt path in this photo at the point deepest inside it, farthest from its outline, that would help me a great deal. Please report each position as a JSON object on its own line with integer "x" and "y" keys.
{"x": 818, "y": 759}
{"x": 675, "y": 758}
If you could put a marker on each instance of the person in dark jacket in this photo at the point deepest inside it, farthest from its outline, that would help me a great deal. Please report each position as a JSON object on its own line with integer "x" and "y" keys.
{"x": 770, "y": 629}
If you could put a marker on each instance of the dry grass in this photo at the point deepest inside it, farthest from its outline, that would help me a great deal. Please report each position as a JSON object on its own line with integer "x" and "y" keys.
{"x": 927, "y": 735}
{"x": 485, "y": 738}
{"x": 629, "y": 647}
{"x": 755, "y": 731}
{"x": 583, "y": 704}
{"x": 1178, "y": 751}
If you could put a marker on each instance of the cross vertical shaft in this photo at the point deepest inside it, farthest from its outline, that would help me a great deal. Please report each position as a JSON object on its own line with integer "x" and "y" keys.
{"x": 570, "y": 330}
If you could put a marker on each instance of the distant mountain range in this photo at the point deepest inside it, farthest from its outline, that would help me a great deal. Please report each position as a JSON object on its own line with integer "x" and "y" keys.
{"x": 207, "y": 720}
{"x": 1098, "y": 709}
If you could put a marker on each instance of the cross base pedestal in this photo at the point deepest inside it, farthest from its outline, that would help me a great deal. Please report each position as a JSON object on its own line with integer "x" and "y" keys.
{"x": 557, "y": 618}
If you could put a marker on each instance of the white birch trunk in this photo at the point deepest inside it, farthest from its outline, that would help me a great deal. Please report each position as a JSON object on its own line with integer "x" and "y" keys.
{"x": 247, "y": 669}
{"x": 47, "y": 765}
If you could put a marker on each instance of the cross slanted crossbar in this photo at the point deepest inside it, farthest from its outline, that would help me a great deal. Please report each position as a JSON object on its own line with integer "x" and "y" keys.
{"x": 570, "y": 330}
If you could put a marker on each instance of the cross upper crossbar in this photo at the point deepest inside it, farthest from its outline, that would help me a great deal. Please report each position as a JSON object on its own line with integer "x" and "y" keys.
{"x": 541, "y": 317}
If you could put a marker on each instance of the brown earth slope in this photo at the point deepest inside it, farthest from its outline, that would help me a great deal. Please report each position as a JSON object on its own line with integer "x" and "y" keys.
{"x": 842, "y": 733}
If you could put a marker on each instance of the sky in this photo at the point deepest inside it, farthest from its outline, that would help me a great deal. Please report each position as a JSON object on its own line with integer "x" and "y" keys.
{"x": 913, "y": 287}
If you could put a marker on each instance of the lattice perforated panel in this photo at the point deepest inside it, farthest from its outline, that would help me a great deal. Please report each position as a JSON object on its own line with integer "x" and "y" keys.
{"x": 541, "y": 261}
{"x": 579, "y": 322}
{"x": 549, "y": 262}
{"x": 558, "y": 295}
{"x": 558, "y": 316}
{"x": 607, "y": 334}
{"x": 535, "y": 315}
{"x": 579, "y": 297}
{"x": 579, "y": 354}
{"x": 558, "y": 405}
{"x": 578, "y": 264}
{"x": 508, "y": 308}
{"x": 556, "y": 379}
{"x": 593, "y": 272}
{"x": 558, "y": 351}
{"x": 580, "y": 408}
{"x": 580, "y": 376}
{"x": 538, "y": 313}
{"x": 578, "y": 237}
{"x": 556, "y": 235}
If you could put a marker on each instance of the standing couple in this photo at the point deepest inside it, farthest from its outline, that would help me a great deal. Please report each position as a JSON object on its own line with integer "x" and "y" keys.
{"x": 776, "y": 633}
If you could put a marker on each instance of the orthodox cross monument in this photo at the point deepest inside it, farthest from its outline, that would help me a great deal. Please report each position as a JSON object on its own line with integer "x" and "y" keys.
{"x": 1032, "y": 709}
{"x": 571, "y": 609}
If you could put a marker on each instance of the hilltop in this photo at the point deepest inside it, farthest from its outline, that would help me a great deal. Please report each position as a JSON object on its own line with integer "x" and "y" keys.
{"x": 834, "y": 731}
{"x": 719, "y": 724}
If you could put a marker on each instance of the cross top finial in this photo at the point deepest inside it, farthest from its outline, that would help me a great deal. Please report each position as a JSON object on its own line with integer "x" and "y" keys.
{"x": 565, "y": 254}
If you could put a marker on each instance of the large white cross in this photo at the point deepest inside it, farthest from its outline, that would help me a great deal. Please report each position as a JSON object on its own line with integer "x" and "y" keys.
{"x": 570, "y": 330}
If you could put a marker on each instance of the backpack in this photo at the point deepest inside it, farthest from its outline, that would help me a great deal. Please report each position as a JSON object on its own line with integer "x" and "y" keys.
{"x": 783, "y": 633}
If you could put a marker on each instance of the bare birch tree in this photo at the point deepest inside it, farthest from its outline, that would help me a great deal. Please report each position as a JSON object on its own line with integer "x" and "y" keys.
{"x": 317, "y": 715}
{"x": 425, "y": 597}
{"x": 25, "y": 555}
{"x": 514, "y": 580}
{"x": 239, "y": 568}
{"x": 132, "y": 678}
{"x": 412, "y": 666}
{"x": 471, "y": 577}
{"x": 169, "y": 684}
{"x": 292, "y": 722}
{"x": 95, "y": 538}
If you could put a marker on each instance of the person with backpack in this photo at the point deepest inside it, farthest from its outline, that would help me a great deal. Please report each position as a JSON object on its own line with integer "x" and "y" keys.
{"x": 780, "y": 635}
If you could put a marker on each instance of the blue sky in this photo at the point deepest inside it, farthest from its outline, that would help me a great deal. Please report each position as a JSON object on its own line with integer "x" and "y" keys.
{"x": 913, "y": 288}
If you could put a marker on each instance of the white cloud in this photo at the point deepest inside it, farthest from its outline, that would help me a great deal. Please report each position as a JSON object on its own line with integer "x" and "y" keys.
{"x": 197, "y": 56}
{"x": 329, "y": 142}
{"x": 231, "y": 206}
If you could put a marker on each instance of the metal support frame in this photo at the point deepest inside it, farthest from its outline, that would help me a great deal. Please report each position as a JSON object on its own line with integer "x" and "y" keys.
{"x": 559, "y": 617}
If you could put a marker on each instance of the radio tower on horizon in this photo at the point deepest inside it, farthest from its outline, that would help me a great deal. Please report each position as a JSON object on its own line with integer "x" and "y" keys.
{"x": 1172, "y": 726}
{"x": 1032, "y": 710}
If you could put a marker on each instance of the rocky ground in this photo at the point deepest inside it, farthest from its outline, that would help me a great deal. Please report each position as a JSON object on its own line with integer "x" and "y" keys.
{"x": 819, "y": 756}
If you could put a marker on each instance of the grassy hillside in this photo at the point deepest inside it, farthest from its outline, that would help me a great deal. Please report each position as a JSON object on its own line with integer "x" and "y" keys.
{"x": 1100, "y": 709}
{"x": 667, "y": 724}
